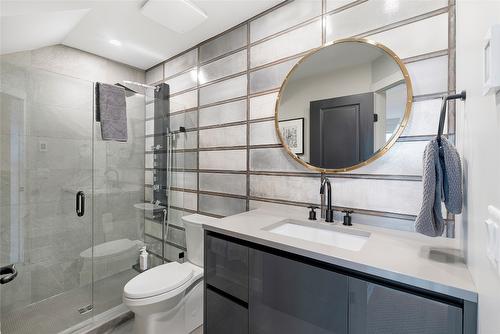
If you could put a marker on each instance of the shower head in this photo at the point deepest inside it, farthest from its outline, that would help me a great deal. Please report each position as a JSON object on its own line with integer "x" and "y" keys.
{"x": 128, "y": 92}
{"x": 140, "y": 84}
{"x": 126, "y": 88}
{"x": 132, "y": 88}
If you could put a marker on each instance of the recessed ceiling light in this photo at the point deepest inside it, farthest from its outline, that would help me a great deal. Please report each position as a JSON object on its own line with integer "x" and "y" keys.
{"x": 115, "y": 42}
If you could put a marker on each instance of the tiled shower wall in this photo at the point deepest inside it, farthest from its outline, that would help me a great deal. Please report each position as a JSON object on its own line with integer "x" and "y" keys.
{"x": 227, "y": 87}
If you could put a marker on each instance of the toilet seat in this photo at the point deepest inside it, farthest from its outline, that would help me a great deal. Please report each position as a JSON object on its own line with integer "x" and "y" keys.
{"x": 158, "y": 281}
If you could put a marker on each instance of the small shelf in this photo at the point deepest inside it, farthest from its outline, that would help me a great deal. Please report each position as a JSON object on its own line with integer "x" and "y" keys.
{"x": 146, "y": 206}
{"x": 138, "y": 269}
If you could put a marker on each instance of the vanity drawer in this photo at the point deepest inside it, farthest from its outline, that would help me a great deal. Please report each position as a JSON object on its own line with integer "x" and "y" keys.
{"x": 375, "y": 308}
{"x": 224, "y": 316}
{"x": 226, "y": 266}
{"x": 292, "y": 297}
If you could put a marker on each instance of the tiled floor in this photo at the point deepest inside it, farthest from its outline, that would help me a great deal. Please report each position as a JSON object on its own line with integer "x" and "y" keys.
{"x": 60, "y": 312}
{"x": 128, "y": 328}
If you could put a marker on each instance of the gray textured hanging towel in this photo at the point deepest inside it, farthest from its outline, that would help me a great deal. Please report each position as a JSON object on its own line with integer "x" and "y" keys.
{"x": 111, "y": 111}
{"x": 442, "y": 181}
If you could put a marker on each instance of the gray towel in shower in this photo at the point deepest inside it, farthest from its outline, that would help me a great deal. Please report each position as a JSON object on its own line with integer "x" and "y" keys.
{"x": 442, "y": 181}
{"x": 111, "y": 111}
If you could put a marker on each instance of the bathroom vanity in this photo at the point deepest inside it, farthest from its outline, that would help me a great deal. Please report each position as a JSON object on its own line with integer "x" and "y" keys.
{"x": 267, "y": 273}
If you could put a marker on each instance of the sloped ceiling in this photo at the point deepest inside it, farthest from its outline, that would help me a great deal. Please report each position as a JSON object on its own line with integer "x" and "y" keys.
{"x": 90, "y": 25}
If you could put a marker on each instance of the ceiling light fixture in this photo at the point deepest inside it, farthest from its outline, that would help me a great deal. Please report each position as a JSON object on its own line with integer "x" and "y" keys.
{"x": 180, "y": 16}
{"x": 195, "y": 8}
{"x": 115, "y": 42}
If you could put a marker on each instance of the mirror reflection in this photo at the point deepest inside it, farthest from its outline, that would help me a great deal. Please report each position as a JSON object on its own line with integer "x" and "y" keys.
{"x": 342, "y": 104}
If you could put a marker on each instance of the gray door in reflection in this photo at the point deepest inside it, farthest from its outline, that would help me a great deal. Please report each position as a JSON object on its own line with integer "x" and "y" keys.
{"x": 341, "y": 131}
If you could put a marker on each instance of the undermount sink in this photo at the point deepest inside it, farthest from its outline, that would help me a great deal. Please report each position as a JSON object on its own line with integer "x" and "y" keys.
{"x": 323, "y": 234}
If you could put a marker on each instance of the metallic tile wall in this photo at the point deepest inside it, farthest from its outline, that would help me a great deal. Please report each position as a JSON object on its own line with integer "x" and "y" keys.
{"x": 229, "y": 92}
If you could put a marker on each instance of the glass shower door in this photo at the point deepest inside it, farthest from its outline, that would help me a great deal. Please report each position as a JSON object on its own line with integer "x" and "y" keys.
{"x": 46, "y": 126}
{"x": 117, "y": 215}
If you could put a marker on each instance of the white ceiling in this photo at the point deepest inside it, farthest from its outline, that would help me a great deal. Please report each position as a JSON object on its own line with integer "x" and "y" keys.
{"x": 90, "y": 25}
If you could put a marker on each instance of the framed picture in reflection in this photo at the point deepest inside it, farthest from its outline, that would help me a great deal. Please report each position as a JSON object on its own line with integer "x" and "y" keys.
{"x": 292, "y": 131}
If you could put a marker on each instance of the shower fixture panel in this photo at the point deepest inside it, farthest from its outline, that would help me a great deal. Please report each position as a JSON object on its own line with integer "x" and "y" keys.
{"x": 160, "y": 156}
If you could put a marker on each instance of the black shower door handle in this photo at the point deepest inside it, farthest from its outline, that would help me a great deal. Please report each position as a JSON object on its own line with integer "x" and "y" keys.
{"x": 7, "y": 273}
{"x": 80, "y": 203}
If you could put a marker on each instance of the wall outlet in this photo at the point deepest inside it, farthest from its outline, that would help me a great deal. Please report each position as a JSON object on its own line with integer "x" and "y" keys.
{"x": 491, "y": 61}
{"x": 43, "y": 146}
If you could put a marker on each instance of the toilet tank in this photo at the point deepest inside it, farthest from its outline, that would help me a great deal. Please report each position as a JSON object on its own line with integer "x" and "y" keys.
{"x": 194, "y": 237}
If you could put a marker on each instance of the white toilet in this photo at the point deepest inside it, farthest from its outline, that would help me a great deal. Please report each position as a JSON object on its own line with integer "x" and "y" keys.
{"x": 169, "y": 297}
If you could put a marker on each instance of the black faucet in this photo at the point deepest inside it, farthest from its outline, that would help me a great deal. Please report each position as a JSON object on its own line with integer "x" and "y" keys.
{"x": 329, "y": 209}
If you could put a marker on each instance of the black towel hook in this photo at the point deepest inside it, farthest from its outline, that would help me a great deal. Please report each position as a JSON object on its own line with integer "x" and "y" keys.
{"x": 462, "y": 96}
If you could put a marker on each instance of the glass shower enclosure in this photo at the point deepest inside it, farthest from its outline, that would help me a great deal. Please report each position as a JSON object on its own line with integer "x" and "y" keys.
{"x": 69, "y": 215}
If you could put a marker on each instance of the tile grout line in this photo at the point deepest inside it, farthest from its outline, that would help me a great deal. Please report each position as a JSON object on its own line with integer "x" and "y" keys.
{"x": 452, "y": 64}
{"x": 247, "y": 200}
{"x": 392, "y": 177}
{"x": 417, "y": 98}
{"x": 323, "y": 42}
{"x": 198, "y": 128}
{"x": 404, "y": 22}
{"x": 368, "y": 212}
{"x": 451, "y": 119}
{"x": 323, "y": 22}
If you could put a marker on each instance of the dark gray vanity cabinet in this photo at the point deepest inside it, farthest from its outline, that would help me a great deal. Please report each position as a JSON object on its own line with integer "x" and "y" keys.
{"x": 288, "y": 296}
{"x": 226, "y": 267}
{"x": 375, "y": 309}
{"x": 250, "y": 288}
{"x": 223, "y": 315}
{"x": 226, "y": 286}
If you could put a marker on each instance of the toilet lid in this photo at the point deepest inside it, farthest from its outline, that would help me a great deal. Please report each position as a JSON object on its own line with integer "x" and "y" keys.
{"x": 158, "y": 280}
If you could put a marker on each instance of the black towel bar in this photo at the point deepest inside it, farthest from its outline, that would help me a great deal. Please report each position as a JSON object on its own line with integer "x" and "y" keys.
{"x": 462, "y": 96}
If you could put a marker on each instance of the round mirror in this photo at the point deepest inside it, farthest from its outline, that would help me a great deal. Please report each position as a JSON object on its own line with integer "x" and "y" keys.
{"x": 343, "y": 105}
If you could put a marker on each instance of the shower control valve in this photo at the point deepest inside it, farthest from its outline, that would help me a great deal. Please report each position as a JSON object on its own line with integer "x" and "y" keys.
{"x": 156, "y": 147}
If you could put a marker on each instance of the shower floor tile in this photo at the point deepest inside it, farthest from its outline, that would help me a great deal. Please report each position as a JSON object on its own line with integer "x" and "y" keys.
{"x": 59, "y": 312}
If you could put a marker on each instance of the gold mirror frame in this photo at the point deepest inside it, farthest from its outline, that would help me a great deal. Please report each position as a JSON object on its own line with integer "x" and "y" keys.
{"x": 389, "y": 143}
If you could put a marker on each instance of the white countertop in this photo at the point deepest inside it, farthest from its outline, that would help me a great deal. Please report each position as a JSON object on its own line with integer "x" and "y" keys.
{"x": 428, "y": 263}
